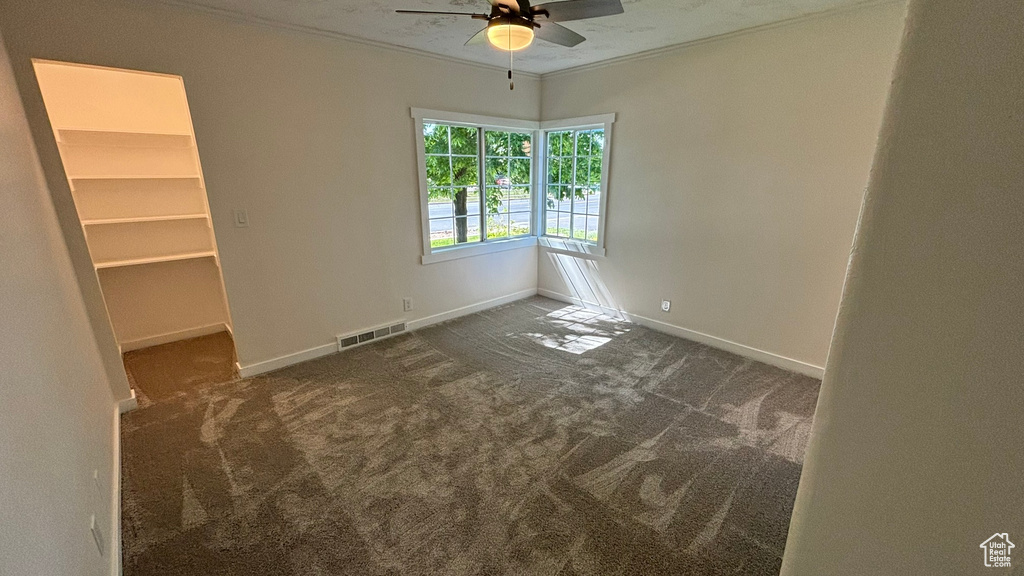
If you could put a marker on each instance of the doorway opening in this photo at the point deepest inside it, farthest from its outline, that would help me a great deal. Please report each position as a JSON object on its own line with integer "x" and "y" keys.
{"x": 129, "y": 153}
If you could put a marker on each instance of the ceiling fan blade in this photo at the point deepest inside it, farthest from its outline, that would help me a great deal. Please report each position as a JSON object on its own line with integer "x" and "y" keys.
{"x": 558, "y": 34}
{"x": 512, "y": 5}
{"x": 478, "y": 38}
{"x": 579, "y": 9}
{"x": 478, "y": 16}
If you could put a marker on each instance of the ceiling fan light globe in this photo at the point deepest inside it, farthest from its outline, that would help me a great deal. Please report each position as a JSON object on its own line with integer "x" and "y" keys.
{"x": 509, "y": 37}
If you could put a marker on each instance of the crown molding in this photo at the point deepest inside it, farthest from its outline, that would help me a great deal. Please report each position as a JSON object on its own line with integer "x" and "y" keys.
{"x": 720, "y": 37}
{"x": 312, "y": 30}
{"x": 241, "y": 17}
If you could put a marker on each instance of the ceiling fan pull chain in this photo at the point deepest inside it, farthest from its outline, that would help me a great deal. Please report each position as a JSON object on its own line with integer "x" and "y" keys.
{"x": 511, "y": 83}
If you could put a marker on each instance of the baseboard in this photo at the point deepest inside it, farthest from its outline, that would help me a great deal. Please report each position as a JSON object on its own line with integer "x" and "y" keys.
{"x": 707, "y": 339}
{"x": 115, "y": 495}
{"x": 286, "y": 360}
{"x": 613, "y": 312}
{"x": 318, "y": 351}
{"x": 471, "y": 309}
{"x": 174, "y": 336}
{"x": 128, "y": 404}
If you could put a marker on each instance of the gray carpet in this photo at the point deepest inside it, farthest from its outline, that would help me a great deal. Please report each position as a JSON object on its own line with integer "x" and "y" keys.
{"x": 535, "y": 438}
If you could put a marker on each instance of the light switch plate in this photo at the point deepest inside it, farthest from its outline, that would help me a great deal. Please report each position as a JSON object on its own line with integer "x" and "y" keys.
{"x": 241, "y": 219}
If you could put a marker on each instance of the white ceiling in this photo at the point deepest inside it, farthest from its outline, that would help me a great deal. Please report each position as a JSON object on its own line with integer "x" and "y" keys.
{"x": 645, "y": 25}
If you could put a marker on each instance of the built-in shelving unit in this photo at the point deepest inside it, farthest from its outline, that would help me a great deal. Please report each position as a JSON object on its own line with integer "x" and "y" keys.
{"x": 126, "y": 142}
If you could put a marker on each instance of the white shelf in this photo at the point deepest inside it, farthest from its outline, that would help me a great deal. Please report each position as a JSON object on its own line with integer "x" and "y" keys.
{"x": 74, "y": 179}
{"x": 122, "y": 139}
{"x": 101, "y": 221}
{"x": 138, "y": 177}
{"x": 154, "y": 260}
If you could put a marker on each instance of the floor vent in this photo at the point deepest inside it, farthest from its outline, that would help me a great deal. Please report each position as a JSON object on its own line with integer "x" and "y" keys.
{"x": 363, "y": 336}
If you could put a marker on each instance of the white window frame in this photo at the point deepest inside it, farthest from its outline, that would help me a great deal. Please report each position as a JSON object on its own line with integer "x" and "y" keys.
{"x": 570, "y": 245}
{"x": 431, "y": 255}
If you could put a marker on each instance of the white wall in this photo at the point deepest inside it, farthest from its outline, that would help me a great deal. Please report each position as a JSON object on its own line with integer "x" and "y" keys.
{"x": 313, "y": 137}
{"x": 58, "y": 418}
{"x": 737, "y": 171}
{"x": 917, "y": 451}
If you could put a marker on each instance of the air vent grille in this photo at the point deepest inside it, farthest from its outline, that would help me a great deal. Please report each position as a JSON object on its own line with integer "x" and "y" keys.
{"x": 363, "y": 336}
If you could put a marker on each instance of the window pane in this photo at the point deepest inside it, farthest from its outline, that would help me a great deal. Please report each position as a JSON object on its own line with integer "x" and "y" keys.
{"x": 473, "y": 202}
{"x": 598, "y": 142}
{"x": 464, "y": 171}
{"x": 554, "y": 143}
{"x": 473, "y": 229}
{"x": 462, "y": 229}
{"x": 461, "y": 202}
{"x": 582, "y": 172}
{"x": 519, "y": 169}
{"x": 565, "y": 201}
{"x": 497, "y": 143}
{"x": 519, "y": 200}
{"x": 497, "y": 226}
{"x": 555, "y": 193}
{"x": 594, "y": 176}
{"x": 463, "y": 140}
{"x": 519, "y": 223}
{"x": 497, "y": 171}
{"x": 573, "y": 183}
{"x": 552, "y": 225}
{"x": 441, "y": 233}
{"x": 594, "y": 203}
{"x": 439, "y": 194}
{"x": 439, "y": 204}
{"x": 592, "y": 228}
{"x": 566, "y": 146}
{"x": 565, "y": 171}
{"x": 579, "y": 227}
{"x": 435, "y": 138}
{"x": 583, "y": 143}
{"x": 521, "y": 144}
{"x": 507, "y": 179}
{"x": 553, "y": 169}
{"x": 580, "y": 205}
{"x": 438, "y": 171}
{"x": 563, "y": 224}
{"x": 495, "y": 199}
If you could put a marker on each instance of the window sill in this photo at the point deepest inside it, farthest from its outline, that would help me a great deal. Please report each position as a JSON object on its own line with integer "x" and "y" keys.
{"x": 478, "y": 249}
{"x": 572, "y": 247}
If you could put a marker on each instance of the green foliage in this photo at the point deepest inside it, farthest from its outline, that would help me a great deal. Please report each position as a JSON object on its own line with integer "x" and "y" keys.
{"x": 564, "y": 233}
{"x": 574, "y": 164}
{"x": 506, "y": 159}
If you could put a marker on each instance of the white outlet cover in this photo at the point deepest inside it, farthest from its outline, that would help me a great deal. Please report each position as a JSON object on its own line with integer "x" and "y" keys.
{"x": 666, "y": 305}
{"x": 407, "y": 304}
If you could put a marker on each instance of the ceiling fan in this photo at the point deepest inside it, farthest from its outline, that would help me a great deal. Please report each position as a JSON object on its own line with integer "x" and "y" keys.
{"x": 513, "y": 24}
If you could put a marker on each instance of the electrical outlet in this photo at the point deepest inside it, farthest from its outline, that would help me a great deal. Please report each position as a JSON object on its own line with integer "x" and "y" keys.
{"x": 666, "y": 305}
{"x": 407, "y": 304}
{"x": 241, "y": 219}
{"x": 97, "y": 534}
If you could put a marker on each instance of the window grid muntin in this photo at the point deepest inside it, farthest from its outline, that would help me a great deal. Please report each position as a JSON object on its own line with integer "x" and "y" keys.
{"x": 451, "y": 187}
{"x": 503, "y": 216}
{"x": 583, "y": 221}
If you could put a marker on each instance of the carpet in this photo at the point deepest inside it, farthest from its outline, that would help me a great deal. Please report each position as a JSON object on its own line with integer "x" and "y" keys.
{"x": 161, "y": 372}
{"x": 535, "y": 438}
